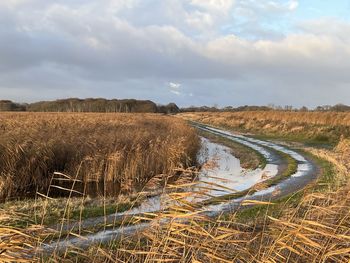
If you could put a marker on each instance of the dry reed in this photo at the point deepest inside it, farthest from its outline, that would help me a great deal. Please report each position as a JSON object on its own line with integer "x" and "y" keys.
{"x": 127, "y": 149}
{"x": 317, "y": 229}
{"x": 317, "y": 126}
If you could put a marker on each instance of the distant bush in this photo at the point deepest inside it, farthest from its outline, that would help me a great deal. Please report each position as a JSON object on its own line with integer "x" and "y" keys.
{"x": 168, "y": 109}
{"x": 7, "y": 105}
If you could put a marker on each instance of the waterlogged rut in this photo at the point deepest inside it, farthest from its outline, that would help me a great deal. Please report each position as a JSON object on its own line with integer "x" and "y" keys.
{"x": 220, "y": 176}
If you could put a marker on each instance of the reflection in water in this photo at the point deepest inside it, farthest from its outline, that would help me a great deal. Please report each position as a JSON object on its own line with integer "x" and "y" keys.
{"x": 63, "y": 188}
{"x": 304, "y": 166}
{"x": 226, "y": 175}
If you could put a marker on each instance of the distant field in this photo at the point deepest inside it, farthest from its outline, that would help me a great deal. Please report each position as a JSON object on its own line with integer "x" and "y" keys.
{"x": 127, "y": 149}
{"x": 316, "y": 127}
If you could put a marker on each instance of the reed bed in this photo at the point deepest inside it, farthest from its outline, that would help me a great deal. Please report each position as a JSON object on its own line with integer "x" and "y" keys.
{"x": 127, "y": 149}
{"x": 322, "y": 127}
{"x": 316, "y": 229}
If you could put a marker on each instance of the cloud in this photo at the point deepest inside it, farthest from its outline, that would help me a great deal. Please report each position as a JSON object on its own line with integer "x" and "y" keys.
{"x": 256, "y": 20}
{"x": 176, "y": 92}
{"x": 175, "y": 88}
{"x": 293, "y": 5}
{"x": 200, "y": 20}
{"x": 111, "y": 48}
{"x": 327, "y": 26}
{"x": 216, "y": 6}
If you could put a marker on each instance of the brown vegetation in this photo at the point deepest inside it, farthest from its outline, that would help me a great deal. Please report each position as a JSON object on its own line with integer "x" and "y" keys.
{"x": 270, "y": 107}
{"x": 122, "y": 148}
{"x": 315, "y": 229}
{"x": 325, "y": 127}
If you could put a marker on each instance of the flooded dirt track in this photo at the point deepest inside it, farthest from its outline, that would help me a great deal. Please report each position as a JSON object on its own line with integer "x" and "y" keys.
{"x": 306, "y": 172}
{"x": 220, "y": 169}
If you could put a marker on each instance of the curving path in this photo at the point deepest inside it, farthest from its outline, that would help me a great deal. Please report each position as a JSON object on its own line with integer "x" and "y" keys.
{"x": 222, "y": 178}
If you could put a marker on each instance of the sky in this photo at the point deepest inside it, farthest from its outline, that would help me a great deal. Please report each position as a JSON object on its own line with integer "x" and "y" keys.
{"x": 191, "y": 52}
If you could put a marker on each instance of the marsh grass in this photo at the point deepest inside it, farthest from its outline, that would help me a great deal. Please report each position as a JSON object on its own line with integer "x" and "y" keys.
{"x": 127, "y": 150}
{"x": 313, "y": 229}
{"x": 316, "y": 228}
{"x": 313, "y": 128}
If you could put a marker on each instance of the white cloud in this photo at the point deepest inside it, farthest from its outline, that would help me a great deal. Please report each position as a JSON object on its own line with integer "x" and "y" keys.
{"x": 200, "y": 20}
{"x": 176, "y": 92}
{"x": 333, "y": 27}
{"x": 219, "y": 6}
{"x": 292, "y": 5}
{"x": 175, "y": 86}
{"x": 89, "y": 44}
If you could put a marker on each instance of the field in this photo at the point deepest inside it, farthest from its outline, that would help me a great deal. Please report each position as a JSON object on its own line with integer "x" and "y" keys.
{"x": 310, "y": 127}
{"x": 311, "y": 225}
{"x": 127, "y": 150}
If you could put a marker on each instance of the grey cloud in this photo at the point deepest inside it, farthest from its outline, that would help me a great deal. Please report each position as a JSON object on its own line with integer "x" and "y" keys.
{"x": 104, "y": 49}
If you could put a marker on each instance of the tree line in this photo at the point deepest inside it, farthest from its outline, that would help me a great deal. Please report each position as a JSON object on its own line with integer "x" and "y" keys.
{"x": 133, "y": 105}
{"x": 90, "y": 105}
{"x": 271, "y": 107}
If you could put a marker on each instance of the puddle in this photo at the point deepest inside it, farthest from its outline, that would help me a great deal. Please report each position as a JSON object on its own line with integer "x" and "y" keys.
{"x": 304, "y": 166}
{"x": 227, "y": 176}
{"x": 305, "y": 174}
